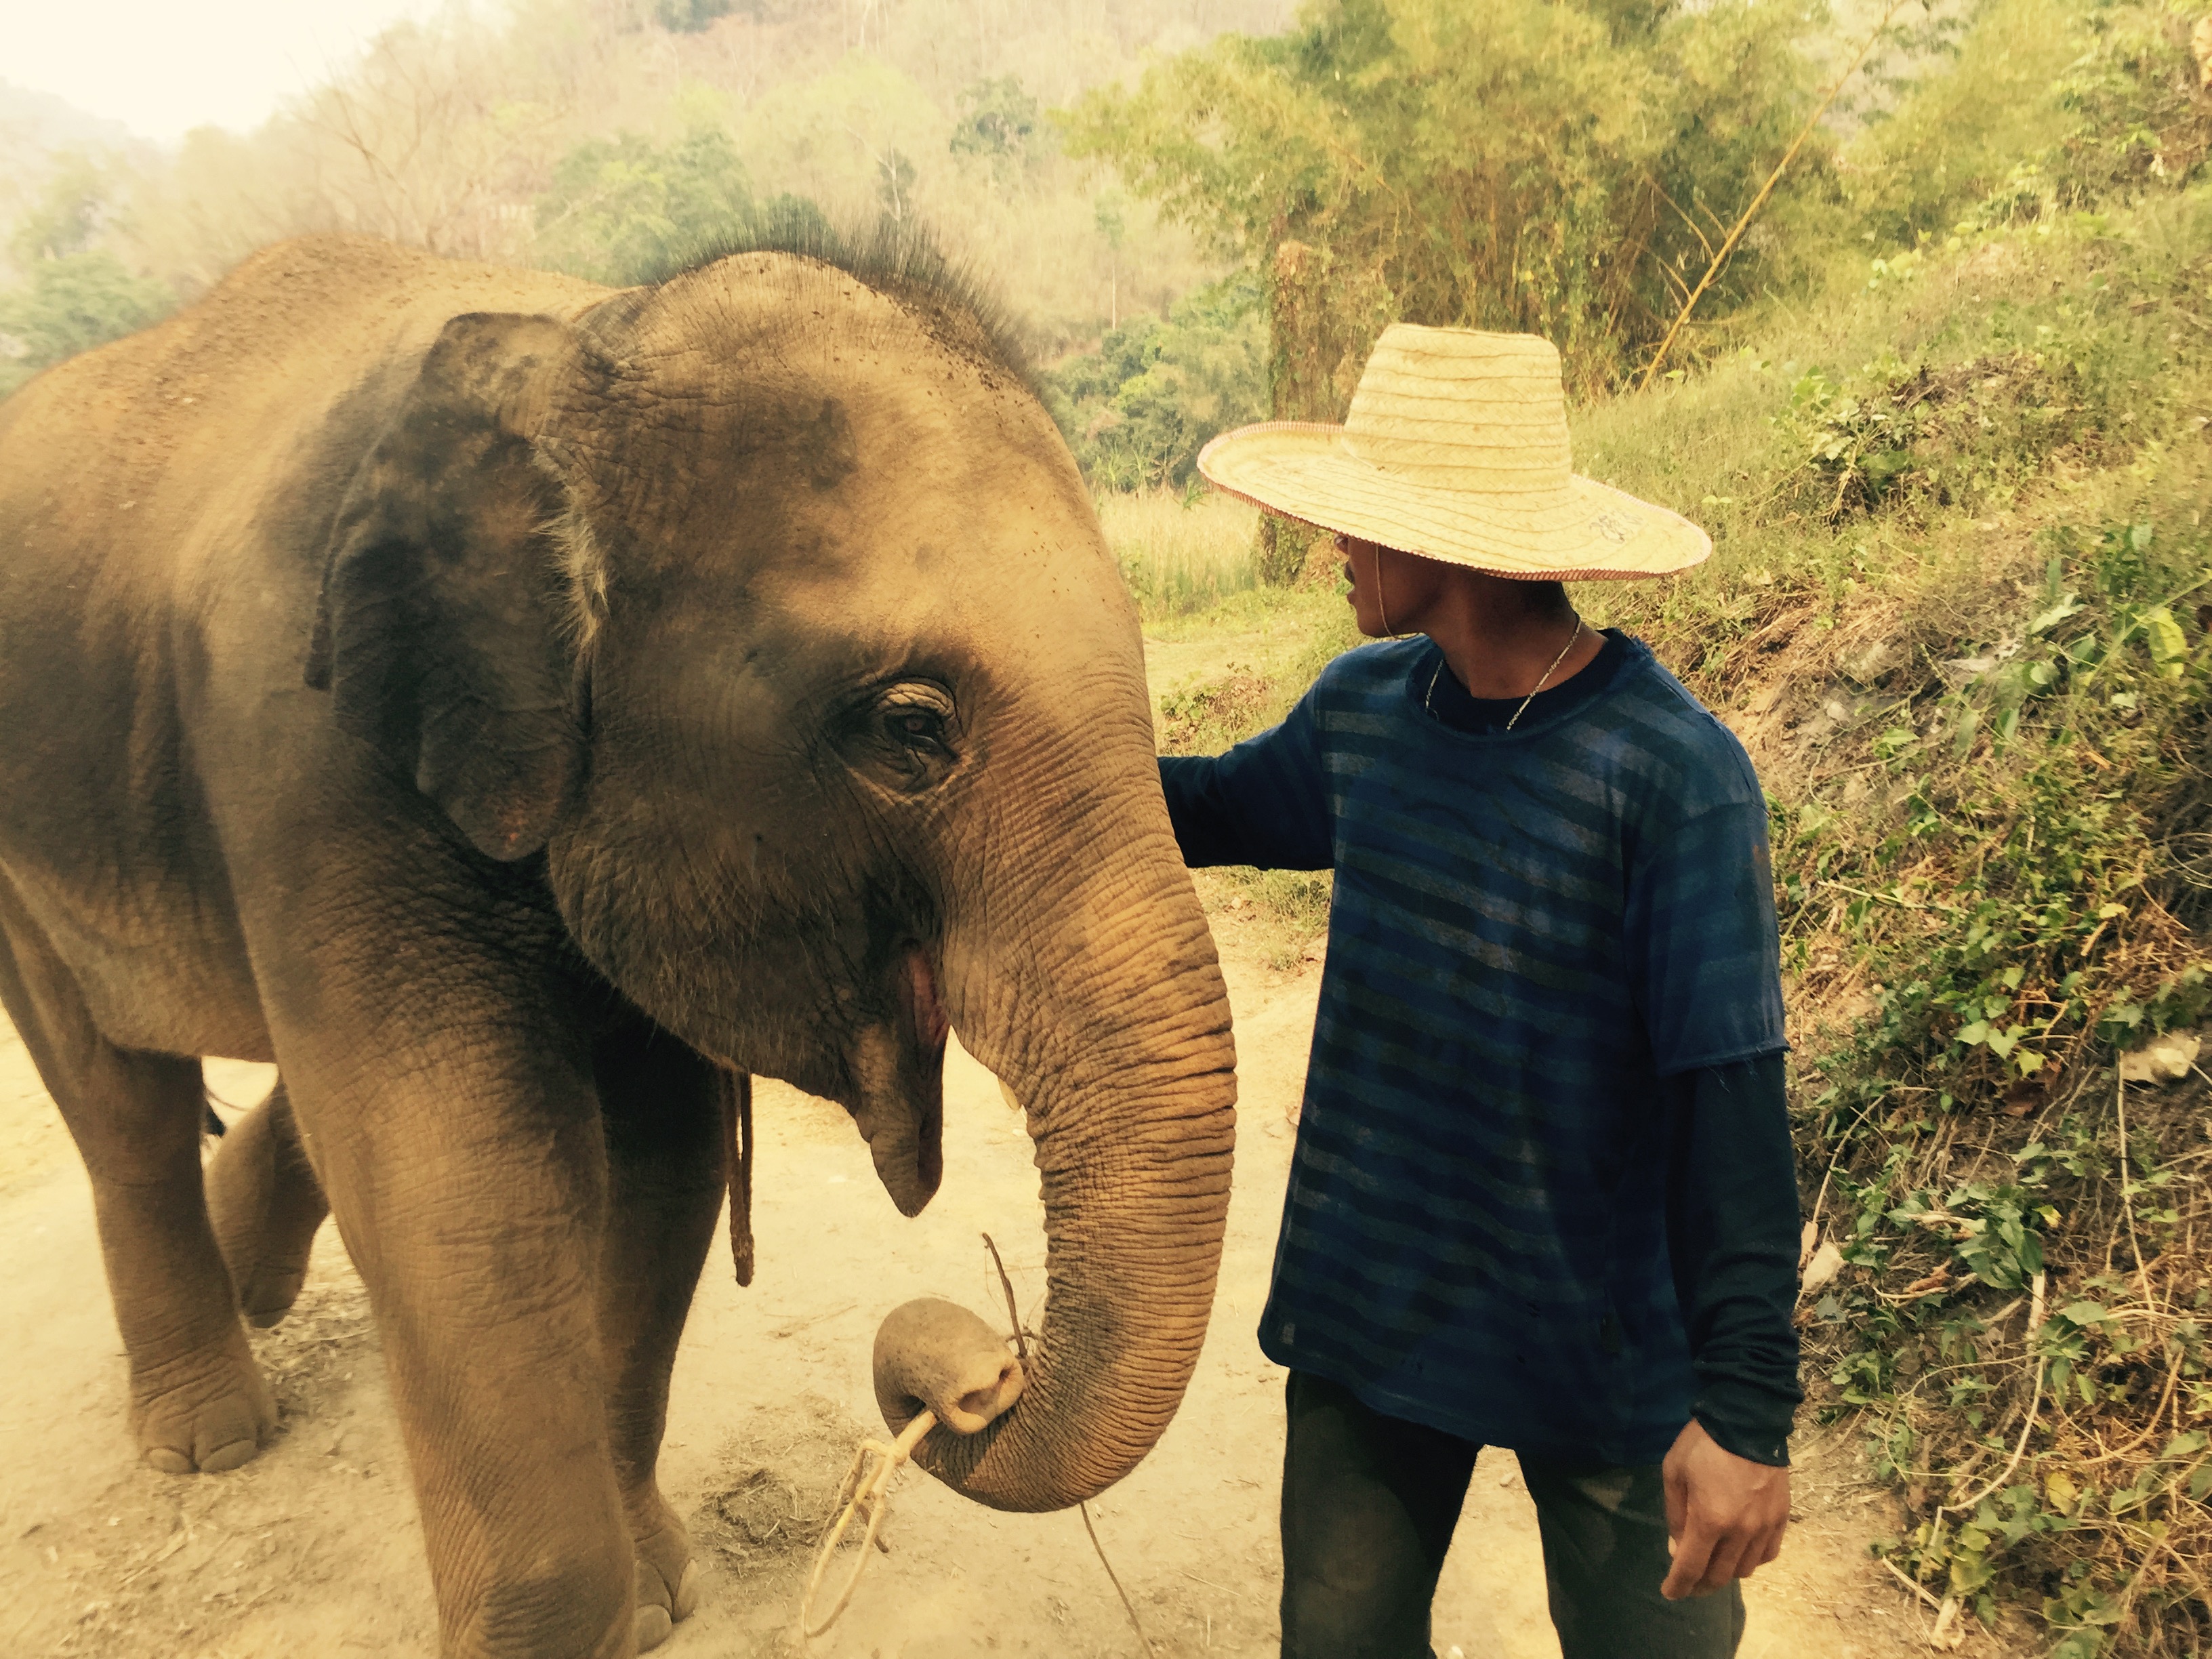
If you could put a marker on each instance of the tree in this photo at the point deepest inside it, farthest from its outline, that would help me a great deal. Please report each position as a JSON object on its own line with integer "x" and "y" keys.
{"x": 690, "y": 17}
{"x": 626, "y": 209}
{"x": 998, "y": 121}
{"x": 895, "y": 181}
{"x": 1137, "y": 410}
{"x": 1112, "y": 224}
{"x": 1558, "y": 166}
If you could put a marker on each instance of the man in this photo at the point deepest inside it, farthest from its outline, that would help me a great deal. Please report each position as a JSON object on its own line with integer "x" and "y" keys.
{"x": 1543, "y": 1196}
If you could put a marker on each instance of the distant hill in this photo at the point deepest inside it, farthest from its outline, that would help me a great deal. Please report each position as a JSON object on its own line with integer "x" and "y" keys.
{"x": 41, "y": 121}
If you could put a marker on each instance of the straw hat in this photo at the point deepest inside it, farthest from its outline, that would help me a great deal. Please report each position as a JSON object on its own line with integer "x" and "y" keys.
{"x": 1455, "y": 448}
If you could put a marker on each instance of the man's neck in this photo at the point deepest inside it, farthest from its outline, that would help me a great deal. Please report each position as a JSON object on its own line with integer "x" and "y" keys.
{"x": 1499, "y": 644}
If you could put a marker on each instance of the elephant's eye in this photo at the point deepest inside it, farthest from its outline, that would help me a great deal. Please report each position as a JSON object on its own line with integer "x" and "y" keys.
{"x": 921, "y": 729}
{"x": 912, "y": 730}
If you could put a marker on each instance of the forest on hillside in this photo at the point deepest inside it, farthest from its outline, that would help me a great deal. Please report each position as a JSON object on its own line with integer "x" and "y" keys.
{"x": 1197, "y": 211}
{"x": 612, "y": 137}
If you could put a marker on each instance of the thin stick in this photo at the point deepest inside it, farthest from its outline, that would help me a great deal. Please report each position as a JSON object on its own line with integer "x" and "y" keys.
{"x": 1914, "y": 1585}
{"x": 2034, "y": 1402}
{"x": 1127, "y": 1606}
{"x": 1842, "y": 1146}
{"x": 863, "y": 1494}
{"x": 2127, "y": 1188}
{"x": 1021, "y": 1344}
{"x": 1713, "y": 270}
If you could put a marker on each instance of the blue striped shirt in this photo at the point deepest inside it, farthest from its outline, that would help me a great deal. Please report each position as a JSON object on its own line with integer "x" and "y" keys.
{"x": 1530, "y": 931}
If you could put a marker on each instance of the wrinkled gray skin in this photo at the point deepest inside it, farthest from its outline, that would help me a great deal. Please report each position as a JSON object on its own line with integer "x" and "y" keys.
{"x": 506, "y": 705}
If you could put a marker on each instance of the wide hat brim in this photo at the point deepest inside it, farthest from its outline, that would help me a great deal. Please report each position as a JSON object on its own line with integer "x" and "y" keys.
{"x": 1582, "y": 531}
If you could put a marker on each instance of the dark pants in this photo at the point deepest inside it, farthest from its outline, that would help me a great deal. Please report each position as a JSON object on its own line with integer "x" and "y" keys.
{"x": 1369, "y": 1505}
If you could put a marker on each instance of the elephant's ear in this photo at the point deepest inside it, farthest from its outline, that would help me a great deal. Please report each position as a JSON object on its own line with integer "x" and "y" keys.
{"x": 439, "y": 634}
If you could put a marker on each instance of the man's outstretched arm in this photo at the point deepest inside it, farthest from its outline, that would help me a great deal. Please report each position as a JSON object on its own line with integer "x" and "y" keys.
{"x": 1264, "y": 803}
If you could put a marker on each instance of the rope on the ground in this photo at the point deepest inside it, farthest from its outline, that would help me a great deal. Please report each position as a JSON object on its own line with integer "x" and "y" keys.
{"x": 870, "y": 1493}
{"x": 1113, "y": 1577}
{"x": 866, "y": 1492}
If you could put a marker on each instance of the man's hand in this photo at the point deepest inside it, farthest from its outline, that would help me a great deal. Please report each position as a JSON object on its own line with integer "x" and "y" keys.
{"x": 1725, "y": 1514}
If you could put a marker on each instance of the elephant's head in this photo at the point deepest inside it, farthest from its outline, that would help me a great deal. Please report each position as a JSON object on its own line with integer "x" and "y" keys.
{"x": 768, "y": 606}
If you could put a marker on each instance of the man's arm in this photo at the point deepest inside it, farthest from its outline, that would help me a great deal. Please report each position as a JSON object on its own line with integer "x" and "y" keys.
{"x": 1732, "y": 1232}
{"x": 1701, "y": 942}
{"x": 1264, "y": 803}
{"x": 1732, "y": 1236}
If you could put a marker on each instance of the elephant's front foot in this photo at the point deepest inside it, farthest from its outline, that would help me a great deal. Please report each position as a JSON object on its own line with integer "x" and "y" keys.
{"x": 265, "y": 1204}
{"x": 215, "y": 1421}
{"x": 667, "y": 1578}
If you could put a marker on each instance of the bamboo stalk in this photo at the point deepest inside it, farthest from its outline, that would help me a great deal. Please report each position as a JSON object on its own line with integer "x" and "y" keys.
{"x": 1712, "y": 271}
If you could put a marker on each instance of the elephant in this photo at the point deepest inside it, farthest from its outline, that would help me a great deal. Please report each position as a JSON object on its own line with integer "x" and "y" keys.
{"x": 523, "y": 711}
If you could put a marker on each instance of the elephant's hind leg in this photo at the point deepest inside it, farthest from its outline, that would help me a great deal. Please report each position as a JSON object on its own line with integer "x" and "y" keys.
{"x": 196, "y": 1400}
{"x": 266, "y": 1203}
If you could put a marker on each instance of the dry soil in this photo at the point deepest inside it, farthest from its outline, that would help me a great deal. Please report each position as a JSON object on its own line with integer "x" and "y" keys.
{"x": 314, "y": 1548}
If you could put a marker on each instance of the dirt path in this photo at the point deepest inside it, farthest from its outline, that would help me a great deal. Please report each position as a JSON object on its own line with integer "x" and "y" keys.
{"x": 314, "y": 1548}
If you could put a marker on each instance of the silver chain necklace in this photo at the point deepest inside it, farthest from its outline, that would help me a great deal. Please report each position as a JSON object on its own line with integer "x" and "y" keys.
{"x": 1428, "y": 697}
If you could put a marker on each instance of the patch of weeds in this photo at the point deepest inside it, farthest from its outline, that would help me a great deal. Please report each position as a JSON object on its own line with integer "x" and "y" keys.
{"x": 2019, "y": 1319}
{"x": 1282, "y": 915}
{"x": 1207, "y": 719}
{"x": 774, "y": 1489}
{"x": 1893, "y": 436}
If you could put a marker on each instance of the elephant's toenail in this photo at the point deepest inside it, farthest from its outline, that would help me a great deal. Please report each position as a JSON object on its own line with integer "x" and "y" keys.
{"x": 168, "y": 1460}
{"x": 228, "y": 1457}
{"x": 653, "y": 1627}
{"x": 687, "y": 1591}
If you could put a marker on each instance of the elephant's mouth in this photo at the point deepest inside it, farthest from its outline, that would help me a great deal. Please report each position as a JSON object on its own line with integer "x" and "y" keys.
{"x": 898, "y": 1070}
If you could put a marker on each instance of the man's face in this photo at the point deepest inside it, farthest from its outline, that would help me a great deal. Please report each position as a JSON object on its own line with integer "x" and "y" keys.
{"x": 1391, "y": 592}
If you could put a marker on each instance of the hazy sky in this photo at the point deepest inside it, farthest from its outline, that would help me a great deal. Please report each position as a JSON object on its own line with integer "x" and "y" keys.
{"x": 162, "y": 67}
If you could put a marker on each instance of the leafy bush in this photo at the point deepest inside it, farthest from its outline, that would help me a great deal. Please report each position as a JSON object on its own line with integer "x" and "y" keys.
{"x": 2051, "y": 106}
{"x": 1137, "y": 409}
{"x": 71, "y": 305}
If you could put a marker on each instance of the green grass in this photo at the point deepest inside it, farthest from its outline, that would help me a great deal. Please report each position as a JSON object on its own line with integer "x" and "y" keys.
{"x": 1181, "y": 555}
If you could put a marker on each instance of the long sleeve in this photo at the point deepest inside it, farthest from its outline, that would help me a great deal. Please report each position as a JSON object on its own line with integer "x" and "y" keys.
{"x": 1263, "y": 803}
{"x": 1732, "y": 1232}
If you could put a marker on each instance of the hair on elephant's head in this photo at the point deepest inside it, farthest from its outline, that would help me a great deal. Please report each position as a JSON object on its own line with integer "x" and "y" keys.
{"x": 767, "y": 605}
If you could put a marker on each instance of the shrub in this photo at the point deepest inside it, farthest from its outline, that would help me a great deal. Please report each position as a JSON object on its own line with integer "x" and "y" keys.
{"x": 625, "y": 210}
{"x": 74, "y": 294}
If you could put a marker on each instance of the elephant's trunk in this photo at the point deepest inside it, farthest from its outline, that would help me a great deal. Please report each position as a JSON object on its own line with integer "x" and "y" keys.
{"x": 1103, "y": 1011}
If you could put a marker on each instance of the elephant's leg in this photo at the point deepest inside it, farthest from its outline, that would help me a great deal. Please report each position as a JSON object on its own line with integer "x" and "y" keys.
{"x": 266, "y": 1203}
{"x": 663, "y": 1112}
{"x": 458, "y": 1136}
{"x": 196, "y": 1400}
